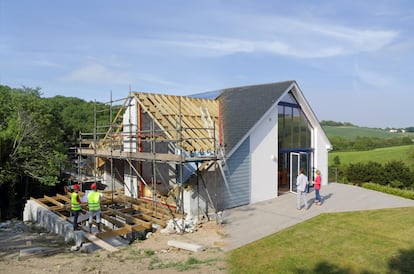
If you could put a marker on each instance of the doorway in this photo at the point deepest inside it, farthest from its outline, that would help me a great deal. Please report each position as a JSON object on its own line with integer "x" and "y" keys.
{"x": 298, "y": 160}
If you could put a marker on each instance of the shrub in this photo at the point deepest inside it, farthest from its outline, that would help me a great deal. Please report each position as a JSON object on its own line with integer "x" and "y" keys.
{"x": 366, "y": 172}
{"x": 397, "y": 171}
{"x": 409, "y": 194}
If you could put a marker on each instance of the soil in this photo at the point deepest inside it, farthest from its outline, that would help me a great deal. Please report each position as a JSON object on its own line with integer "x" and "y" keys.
{"x": 152, "y": 255}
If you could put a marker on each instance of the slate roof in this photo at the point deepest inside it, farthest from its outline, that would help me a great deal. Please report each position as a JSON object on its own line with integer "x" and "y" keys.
{"x": 242, "y": 107}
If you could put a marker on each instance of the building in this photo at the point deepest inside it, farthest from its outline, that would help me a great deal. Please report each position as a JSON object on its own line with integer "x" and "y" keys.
{"x": 212, "y": 151}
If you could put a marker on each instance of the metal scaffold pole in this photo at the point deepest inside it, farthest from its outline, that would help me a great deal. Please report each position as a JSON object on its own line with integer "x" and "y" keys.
{"x": 111, "y": 130}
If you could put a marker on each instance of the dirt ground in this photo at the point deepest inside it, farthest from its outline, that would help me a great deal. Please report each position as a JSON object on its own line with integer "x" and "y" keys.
{"x": 152, "y": 255}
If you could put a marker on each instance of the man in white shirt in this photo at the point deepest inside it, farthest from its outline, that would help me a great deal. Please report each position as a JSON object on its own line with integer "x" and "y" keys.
{"x": 301, "y": 183}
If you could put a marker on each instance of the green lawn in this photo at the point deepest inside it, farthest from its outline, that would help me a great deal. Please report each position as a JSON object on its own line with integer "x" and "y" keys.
{"x": 377, "y": 241}
{"x": 353, "y": 132}
{"x": 380, "y": 155}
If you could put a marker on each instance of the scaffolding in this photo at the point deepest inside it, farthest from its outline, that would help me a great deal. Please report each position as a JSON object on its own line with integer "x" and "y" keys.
{"x": 152, "y": 146}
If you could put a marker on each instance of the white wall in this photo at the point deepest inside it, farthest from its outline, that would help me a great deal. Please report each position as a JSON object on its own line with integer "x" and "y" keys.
{"x": 263, "y": 147}
{"x": 130, "y": 125}
{"x": 321, "y": 154}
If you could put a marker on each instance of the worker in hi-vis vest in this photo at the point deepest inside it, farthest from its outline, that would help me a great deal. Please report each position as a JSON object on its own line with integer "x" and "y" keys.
{"x": 75, "y": 206}
{"x": 94, "y": 205}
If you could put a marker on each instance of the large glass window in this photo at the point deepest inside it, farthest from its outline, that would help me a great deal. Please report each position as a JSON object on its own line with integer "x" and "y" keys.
{"x": 294, "y": 137}
{"x": 294, "y": 128}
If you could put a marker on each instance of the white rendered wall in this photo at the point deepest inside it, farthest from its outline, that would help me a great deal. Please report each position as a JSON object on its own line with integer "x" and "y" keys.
{"x": 321, "y": 155}
{"x": 264, "y": 153}
{"x": 130, "y": 126}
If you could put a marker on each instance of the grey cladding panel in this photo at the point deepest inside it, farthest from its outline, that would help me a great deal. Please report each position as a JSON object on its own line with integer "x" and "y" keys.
{"x": 238, "y": 170}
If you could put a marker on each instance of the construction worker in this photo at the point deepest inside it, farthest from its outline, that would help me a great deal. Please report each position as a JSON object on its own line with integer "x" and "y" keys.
{"x": 94, "y": 205}
{"x": 75, "y": 206}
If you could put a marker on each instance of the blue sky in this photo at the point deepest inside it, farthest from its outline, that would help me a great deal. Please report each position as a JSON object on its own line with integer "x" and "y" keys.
{"x": 353, "y": 60}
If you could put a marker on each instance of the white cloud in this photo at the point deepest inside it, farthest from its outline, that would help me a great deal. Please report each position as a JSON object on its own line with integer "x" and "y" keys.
{"x": 96, "y": 73}
{"x": 279, "y": 36}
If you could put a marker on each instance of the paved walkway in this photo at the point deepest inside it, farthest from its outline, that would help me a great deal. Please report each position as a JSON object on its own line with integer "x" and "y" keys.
{"x": 250, "y": 223}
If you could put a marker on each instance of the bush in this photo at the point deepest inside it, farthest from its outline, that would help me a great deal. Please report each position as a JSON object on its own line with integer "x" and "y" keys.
{"x": 398, "y": 171}
{"x": 409, "y": 194}
{"x": 394, "y": 173}
{"x": 366, "y": 172}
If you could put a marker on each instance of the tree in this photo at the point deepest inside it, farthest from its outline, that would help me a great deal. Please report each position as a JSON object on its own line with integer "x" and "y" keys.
{"x": 336, "y": 160}
{"x": 30, "y": 149}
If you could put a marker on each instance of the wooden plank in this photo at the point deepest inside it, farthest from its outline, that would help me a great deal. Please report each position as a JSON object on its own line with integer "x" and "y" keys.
{"x": 112, "y": 220}
{"x": 120, "y": 231}
{"x": 140, "y": 98}
{"x": 151, "y": 219}
{"x": 53, "y": 201}
{"x": 131, "y": 219}
{"x": 113, "y": 233}
{"x": 167, "y": 211}
{"x": 92, "y": 238}
{"x": 105, "y": 152}
{"x": 146, "y": 208}
{"x": 63, "y": 197}
{"x": 39, "y": 201}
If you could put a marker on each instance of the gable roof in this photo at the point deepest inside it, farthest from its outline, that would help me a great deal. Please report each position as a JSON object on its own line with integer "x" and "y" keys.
{"x": 192, "y": 119}
{"x": 242, "y": 107}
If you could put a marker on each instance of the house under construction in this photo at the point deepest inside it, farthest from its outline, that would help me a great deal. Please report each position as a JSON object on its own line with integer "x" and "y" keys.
{"x": 161, "y": 158}
{"x": 205, "y": 153}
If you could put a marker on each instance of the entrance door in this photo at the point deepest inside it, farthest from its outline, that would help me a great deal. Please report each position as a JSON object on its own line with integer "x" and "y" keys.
{"x": 298, "y": 160}
{"x": 294, "y": 170}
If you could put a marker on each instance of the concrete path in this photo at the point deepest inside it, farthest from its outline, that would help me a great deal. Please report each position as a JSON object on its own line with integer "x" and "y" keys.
{"x": 250, "y": 223}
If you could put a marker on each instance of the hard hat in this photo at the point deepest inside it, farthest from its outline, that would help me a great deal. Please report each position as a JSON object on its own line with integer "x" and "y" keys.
{"x": 76, "y": 186}
{"x": 93, "y": 186}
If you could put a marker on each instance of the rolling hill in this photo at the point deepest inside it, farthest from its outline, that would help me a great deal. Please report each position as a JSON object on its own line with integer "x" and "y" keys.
{"x": 379, "y": 155}
{"x": 351, "y": 132}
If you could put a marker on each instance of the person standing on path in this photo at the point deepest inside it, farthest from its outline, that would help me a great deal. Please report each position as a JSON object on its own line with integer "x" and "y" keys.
{"x": 301, "y": 183}
{"x": 94, "y": 205}
{"x": 317, "y": 187}
{"x": 75, "y": 206}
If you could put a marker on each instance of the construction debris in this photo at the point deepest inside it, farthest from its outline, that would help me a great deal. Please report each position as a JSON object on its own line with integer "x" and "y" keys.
{"x": 180, "y": 225}
{"x": 186, "y": 246}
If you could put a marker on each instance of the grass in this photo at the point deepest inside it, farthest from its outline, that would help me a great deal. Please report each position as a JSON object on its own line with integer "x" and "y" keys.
{"x": 377, "y": 241}
{"x": 406, "y": 193}
{"x": 380, "y": 155}
{"x": 190, "y": 264}
{"x": 348, "y": 132}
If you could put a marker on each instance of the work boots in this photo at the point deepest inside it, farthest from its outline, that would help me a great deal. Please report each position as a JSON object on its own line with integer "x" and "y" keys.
{"x": 90, "y": 228}
{"x": 99, "y": 227}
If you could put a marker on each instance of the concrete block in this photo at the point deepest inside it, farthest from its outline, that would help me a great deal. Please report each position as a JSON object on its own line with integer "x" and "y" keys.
{"x": 186, "y": 246}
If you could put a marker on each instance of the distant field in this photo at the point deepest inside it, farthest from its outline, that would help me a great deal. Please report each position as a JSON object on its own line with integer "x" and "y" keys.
{"x": 380, "y": 155}
{"x": 353, "y": 132}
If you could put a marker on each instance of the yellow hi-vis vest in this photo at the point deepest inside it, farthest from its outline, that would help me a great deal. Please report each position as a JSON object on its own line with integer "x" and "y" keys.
{"x": 94, "y": 200}
{"x": 75, "y": 205}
